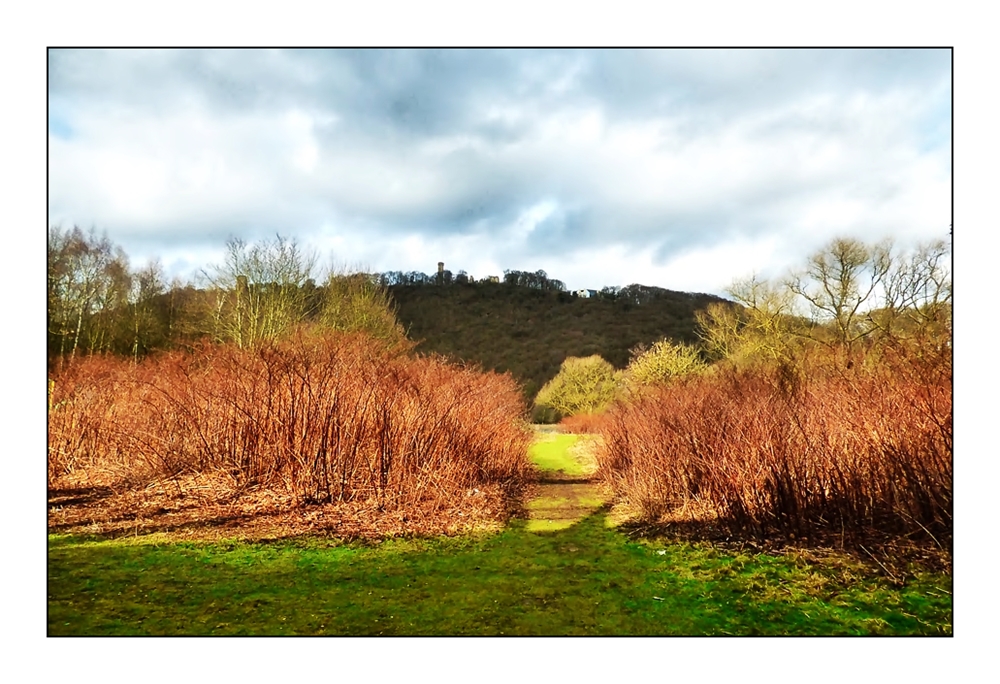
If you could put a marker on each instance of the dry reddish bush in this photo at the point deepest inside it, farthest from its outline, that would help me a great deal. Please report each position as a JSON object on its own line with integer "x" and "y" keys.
{"x": 781, "y": 450}
{"x": 582, "y": 423}
{"x": 324, "y": 418}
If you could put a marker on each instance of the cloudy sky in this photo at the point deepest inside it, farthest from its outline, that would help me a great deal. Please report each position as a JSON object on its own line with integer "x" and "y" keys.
{"x": 677, "y": 168}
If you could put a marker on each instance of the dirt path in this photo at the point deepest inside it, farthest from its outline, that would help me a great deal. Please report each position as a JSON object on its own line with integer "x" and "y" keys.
{"x": 566, "y": 492}
{"x": 191, "y": 508}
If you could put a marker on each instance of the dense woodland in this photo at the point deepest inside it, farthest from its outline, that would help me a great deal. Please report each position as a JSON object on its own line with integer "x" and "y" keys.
{"x": 530, "y": 331}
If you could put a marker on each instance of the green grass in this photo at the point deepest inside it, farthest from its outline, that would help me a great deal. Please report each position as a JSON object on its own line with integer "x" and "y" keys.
{"x": 547, "y": 513}
{"x": 586, "y": 579}
{"x": 545, "y": 576}
{"x": 551, "y": 453}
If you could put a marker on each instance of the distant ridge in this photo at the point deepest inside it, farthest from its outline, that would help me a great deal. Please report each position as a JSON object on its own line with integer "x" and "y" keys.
{"x": 528, "y": 326}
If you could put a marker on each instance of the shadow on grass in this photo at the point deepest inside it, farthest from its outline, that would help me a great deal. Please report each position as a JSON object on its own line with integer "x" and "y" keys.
{"x": 149, "y": 528}
{"x": 894, "y": 556}
{"x": 587, "y": 579}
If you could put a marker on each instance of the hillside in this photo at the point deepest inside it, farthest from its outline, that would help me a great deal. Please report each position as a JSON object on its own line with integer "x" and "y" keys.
{"x": 529, "y": 331}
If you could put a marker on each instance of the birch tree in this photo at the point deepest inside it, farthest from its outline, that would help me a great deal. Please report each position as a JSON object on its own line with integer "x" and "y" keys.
{"x": 87, "y": 278}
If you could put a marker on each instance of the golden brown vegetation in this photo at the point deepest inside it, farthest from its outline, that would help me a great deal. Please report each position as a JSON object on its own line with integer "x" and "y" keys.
{"x": 316, "y": 418}
{"x": 802, "y": 451}
{"x": 840, "y": 422}
{"x": 582, "y": 423}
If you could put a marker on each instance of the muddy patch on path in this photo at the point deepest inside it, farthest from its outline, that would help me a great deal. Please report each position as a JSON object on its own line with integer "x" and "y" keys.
{"x": 560, "y": 505}
{"x": 564, "y": 493}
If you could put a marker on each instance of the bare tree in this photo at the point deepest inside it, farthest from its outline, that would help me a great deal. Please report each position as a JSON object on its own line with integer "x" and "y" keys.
{"x": 760, "y": 328}
{"x": 146, "y": 285}
{"x": 917, "y": 293}
{"x": 854, "y": 292}
{"x": 840, "y": 283}
{"x": 260, "y": 290}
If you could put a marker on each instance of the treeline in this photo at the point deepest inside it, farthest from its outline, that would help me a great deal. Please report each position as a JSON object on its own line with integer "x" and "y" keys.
{"x": 526, "y": 324}
{"x": 98, "y": 303}
{"x": 634, "y": 294}
{"x": 850, "y": 304}
{"x": 538, "y": 279}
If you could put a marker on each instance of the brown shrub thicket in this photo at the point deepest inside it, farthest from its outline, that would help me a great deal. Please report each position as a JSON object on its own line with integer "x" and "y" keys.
{"x": 793, "y": 450}
{"x": 582, "y": 423}
{"x": 325, "y": 418}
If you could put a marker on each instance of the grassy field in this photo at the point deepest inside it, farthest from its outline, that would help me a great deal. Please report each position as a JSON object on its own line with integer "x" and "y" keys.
{"x": 553, "y": 453}
{"x": 584, "y": 579}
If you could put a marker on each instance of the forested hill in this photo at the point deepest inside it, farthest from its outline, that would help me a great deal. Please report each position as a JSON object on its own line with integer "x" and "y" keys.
{"x": 530, "y": 330}
{"x": 527, "y": 324}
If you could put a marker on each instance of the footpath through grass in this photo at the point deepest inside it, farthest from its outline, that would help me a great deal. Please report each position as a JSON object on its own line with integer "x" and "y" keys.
{"x": 553, "y": 453}
{"x": 564, "y": 496}
{"x": 585, "y": 578}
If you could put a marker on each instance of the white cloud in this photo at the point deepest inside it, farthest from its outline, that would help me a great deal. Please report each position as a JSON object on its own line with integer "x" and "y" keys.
{"x": 623, "y": 165}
